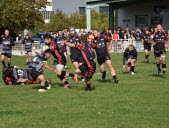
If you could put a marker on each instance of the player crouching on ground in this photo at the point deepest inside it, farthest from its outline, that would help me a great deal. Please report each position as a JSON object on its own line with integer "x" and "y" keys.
{"x": 130, "y": 58}
{"x": 88, "y": 66}
{"x": 13, "y": 75}
{"x": 35, "y": 69}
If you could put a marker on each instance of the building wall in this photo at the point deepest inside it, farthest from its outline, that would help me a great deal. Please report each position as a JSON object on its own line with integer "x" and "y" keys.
{"x": 69, "y": 6}
{"x": 130, "y": 12}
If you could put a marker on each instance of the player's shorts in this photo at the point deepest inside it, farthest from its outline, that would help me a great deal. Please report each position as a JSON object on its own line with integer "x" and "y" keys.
{"x": 161, "y": 53}
{"x": 8, "y": 55}
{"x": 102, "y": 59}
{"x": 86, "y": 71}
{"x": 34, "y": 74}
{"x": 60, "y": 66}
{"x": 27, "y": 51}
{"x": 76, "y": 58}
{"x": 147, "y": 47}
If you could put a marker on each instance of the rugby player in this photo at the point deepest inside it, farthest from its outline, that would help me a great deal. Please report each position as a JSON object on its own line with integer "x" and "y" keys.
{"x": 35, "y": 69}
{"x": 58, "y": 54}
{"x": 88, "y": 66}
{"x": 7, "y": 43}
{"x": 160, "y": 43}
{"x": 146, "y": 41}
{"x": 103, "y": 56}
{"x": 27, "y": 44}
{"x": 130, "y": 58}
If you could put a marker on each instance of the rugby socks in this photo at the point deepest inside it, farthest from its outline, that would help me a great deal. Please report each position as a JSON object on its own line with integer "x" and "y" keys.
{"x": 158, "y": 67}
{"x": 42, "y": 87}
{"x": 3, "y": 63}
{"x": 146, "y": 56}
{"x": 132, "y": 69}
{"x": 164, "y": 67}
{"x": 115, "y": 77}
{"x": 104, "y": 75}
{"x": 88, "y": 84}
{"x": 9, "y": 64}
{"x": 63, "y": 79}
{"x": 64, "y": 73}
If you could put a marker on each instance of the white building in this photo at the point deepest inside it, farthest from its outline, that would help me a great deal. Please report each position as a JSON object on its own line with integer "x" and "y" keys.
{"x": 47, "y": 11}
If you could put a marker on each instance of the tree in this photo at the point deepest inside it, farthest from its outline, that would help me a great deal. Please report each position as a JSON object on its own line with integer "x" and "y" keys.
{"x": 21, "y": 14}
{"x": 58, "y": 21}
{"x": 79, "y": 21}
{"x": 99, "y": 20}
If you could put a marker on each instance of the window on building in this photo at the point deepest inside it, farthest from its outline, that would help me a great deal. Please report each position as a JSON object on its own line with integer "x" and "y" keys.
{"x": 46, "y": 14}
{"x": 105, "y": 9}
{"x": 82, "y": 10}
{"x": 141, "y": 20}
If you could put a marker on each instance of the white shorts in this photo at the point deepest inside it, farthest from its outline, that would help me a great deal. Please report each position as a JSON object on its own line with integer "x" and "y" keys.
{"x": 60, "y": 66}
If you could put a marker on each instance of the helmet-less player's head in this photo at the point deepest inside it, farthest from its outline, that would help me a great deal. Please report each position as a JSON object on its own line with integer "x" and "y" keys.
{"x": 96, "y": 32}
{"x": 48, "y": 53}
{"x": 72, "y": 31}
{"x": 147, "y": 31}
{"x": 48, "y": 39}
{"x": 60, "y": 33}
{"x": 159, "y": 27}
{"x": 6, "y": 32}
{"x": 131, "y": 47}
{"x": 27, "y": 36}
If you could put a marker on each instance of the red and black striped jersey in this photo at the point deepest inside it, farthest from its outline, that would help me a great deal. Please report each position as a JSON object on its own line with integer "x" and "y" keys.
{"x": 86, "y": 52}
{"x": 57, "y": 53}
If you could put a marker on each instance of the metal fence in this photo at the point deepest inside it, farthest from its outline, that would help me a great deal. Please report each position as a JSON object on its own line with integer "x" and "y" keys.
{"x": 118, "y": 46}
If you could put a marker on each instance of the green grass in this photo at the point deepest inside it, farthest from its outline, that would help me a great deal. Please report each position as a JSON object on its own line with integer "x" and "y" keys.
{"x": 138, "y": 101}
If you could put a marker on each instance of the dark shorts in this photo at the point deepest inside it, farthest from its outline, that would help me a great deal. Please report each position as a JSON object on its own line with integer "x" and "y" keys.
{"x": 27, "y": 51}
{"x": 35, "y": 74}
{"x": 76, "y": 58}
{"x": 147, "y": 47}
{"x": 8, "y": 55}
{"x": 103, "y": 59}
{"x": 159, "y": 53}
{"x": 86, "y": 71}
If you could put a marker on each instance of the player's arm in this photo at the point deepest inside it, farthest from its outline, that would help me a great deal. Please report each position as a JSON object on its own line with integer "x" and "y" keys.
{"x": 142, "y": 41}
{"x": 135, "y": 54}
{"x": 48, "y": 67}
{"x": 12, "y": 42}
{"x": 124, "y": 58}
{"x": 23, "y": 45}
{"x": 69, "y": 44}
{"x": 33, "y": 44}
{"x": 167, "y": 41}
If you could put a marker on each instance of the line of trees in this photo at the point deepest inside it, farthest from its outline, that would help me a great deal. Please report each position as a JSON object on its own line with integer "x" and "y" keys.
{"x": 60, "y": 21}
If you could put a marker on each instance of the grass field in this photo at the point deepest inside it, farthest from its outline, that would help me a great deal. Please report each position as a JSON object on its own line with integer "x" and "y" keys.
{"x": 138, "y": 101}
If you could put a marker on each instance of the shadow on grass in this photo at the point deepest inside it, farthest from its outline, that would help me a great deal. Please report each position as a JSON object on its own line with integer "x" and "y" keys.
{"x": 84, "y": 89}
{"x": 155, "y": 75}
{"x": 103, "y": 81}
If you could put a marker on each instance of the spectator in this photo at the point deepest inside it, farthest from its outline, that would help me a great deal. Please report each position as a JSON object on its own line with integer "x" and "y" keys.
{"x": 19, "y": 38}
{"x": 115, "y": 38}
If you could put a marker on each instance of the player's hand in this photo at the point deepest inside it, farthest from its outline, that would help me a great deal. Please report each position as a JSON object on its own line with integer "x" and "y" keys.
{"x": 166, "y": 46}
{"x": 55, "y": 70}
{"x": 124, "y": 67}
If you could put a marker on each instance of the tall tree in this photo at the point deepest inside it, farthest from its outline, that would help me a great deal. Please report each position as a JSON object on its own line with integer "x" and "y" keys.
{"x": 21, "y": 14}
